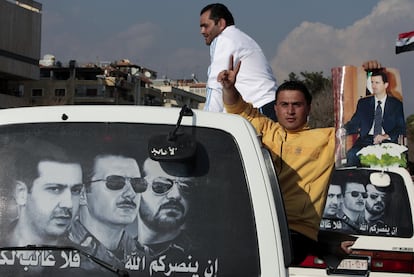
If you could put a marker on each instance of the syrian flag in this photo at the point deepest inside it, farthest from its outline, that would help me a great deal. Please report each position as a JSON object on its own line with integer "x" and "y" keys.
{"x": 405, "y": 42}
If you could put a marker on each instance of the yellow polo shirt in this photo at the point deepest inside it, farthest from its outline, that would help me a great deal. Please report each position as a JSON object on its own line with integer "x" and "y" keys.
{"x": 304, "y": 161}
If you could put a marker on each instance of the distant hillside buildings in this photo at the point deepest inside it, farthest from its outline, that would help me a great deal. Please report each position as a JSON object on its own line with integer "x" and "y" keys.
{"x": 27, "y": 80}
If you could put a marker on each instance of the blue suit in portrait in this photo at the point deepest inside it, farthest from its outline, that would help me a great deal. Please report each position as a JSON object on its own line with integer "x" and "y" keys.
{"x": 393, "y": 124}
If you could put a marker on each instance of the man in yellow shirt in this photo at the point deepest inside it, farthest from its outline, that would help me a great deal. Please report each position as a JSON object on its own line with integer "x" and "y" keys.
{"x": 304, "y": 158}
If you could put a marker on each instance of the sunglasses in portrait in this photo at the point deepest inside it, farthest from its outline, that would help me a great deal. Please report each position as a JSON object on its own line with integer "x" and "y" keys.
{"x": 356, "y": 194}
{"x": 162, "y": 185}
{"x": 116, "y": 182}
{"x": 374, "y": 196}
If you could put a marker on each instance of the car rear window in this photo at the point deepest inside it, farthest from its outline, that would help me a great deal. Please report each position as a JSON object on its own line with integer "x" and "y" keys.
{"x": 219, "y": 227}
{"x": 368, "y": 202}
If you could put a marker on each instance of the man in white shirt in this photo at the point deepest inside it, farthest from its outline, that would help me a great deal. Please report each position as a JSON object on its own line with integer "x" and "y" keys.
{"x": 255, "y": 80}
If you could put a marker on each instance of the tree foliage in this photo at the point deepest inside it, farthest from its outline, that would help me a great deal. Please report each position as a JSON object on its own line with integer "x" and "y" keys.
{"x": 410, "y": 125}
{"x": 410, "y": 141}
{"x": 322, "y": 111}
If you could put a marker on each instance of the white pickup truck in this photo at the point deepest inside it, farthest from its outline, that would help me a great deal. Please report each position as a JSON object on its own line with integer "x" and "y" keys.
{"x": 383, "y": 200}
{"x": 235, "y": 221}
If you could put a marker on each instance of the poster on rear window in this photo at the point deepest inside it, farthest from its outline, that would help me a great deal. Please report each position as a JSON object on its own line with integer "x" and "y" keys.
{"x": 369, "y": 112}
{"x": 86, "y": 199}
{"x": 362, "y": 201}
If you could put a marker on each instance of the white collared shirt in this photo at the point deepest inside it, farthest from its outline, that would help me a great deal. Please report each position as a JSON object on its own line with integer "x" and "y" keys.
{"x": 255, "y": 80}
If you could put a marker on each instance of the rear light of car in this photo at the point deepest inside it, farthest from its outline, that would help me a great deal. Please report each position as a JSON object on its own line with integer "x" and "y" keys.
{"x": 381, "y": 261}
{"x": 313, "y": 262}
{"x": 387, "y": 261}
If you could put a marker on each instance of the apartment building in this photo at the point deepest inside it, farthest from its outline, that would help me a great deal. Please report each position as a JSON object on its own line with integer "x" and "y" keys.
{"x": 107, "y": 83}
{"x": 27, "y": 80}
{"x": 20, "y": 31}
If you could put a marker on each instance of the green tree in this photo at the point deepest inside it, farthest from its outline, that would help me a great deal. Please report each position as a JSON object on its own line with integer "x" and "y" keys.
{"x": 410, "y": 142}
{"x": 322, "y": 112}
{"x": 410, "y": 125}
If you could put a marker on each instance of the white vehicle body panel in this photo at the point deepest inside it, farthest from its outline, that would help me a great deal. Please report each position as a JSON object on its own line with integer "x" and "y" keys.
{"x": 265, "y": 214}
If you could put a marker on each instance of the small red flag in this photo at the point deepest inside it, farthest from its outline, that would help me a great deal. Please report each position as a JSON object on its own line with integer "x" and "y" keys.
{"x": 405, "y": 42}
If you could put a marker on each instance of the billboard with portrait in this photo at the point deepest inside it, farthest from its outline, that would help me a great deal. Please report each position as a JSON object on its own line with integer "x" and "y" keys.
{"x": 356, "y": 96}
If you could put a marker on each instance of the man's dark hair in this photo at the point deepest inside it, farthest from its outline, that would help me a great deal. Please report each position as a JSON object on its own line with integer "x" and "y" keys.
{"x": 217, "y": 12}
{"x": 355, "y": 177}
{"x": 345, "y": 185}
{"x": 380, "y": 73}
{"x": 344, "y": 177}
{"x": 295, "y": 85}
{"x": 89, "y": 166}
{"x": 29, "y": 154}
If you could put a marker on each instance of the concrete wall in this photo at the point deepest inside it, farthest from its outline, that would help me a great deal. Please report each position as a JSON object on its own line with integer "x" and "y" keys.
{"x": 20, "y": 38}
{"x": 8, "y": 101}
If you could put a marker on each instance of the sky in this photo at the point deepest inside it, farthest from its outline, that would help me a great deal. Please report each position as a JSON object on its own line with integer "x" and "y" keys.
{"x": 295, "y": 35}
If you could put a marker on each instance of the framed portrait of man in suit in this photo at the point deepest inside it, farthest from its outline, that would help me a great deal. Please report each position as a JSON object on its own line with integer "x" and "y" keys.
{"x": 368, "y": 108}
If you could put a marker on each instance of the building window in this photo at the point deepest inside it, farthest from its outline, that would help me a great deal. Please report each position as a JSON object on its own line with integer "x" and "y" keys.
{"x": 91, "y": 92}
{"x": 37, "y": 92}
{"x": 60, "y": 92}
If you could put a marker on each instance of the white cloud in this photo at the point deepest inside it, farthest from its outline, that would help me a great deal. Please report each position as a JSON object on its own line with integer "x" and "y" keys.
{"x": 315, "y": 46}
{"x": 318, "y": 47}
{"x": 136, "y": 38}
